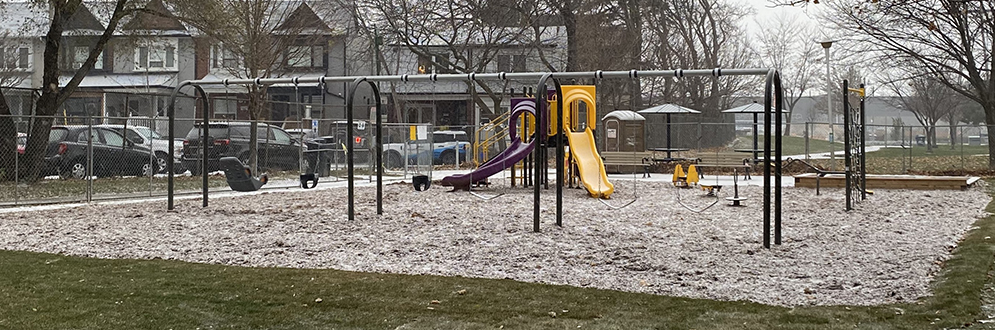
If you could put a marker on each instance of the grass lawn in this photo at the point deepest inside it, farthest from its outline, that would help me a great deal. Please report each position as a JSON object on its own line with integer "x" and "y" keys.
{"x": 791, "y": 145}
{"x": 47, "y": 291}
{"x": 942, "y": 161}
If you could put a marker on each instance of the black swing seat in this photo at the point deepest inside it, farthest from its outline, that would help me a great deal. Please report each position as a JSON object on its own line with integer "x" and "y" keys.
{"x": 239, "y": 176}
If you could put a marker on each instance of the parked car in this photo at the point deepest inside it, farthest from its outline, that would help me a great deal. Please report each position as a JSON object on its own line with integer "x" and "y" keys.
{"x": 149, "y": 138}
{"x": 112, "y": 154}
{"x": 276, "y": 149}
{"x": 444, "y": 147}
{"x": 22, "y": 141}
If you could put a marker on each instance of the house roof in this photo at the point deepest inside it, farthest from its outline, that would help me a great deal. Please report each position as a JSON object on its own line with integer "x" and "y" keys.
{"x": 155, "y": 17}
{"x": 83, "y": 19}
{"x": 304, "y": 19}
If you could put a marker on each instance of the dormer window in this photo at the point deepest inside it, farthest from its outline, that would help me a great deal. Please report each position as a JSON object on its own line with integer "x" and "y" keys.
{"x": 156, "y": 55}
{"x": 16, "y": 57}
{"x": 306, "y": 56}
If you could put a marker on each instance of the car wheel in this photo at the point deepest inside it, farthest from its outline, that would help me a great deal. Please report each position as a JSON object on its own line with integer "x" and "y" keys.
{"x": 195, "y": 170}
{"x": 448, "y": 158}
{"x": 76, "y": 169}
{"x": 160, "y": 160}
{"x": 146, "y": 170}
{"x": 392, "y": 160}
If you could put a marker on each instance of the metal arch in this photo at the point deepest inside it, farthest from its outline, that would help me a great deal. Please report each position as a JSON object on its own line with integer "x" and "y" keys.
{"x": 773, "y": 97}
{"x": 542, "y": 120}
{"x": 350, "y": 97}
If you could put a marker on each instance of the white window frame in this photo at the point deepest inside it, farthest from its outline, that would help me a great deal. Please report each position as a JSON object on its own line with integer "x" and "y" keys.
{"x": 159, "y": 54}
{"x": 23, "y": 55}
{"x": 81, "y": 53}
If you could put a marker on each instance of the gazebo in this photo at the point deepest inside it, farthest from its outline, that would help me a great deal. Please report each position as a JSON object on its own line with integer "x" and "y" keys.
{"x": 668, "y": 109}
{"x": 756, "y": 109}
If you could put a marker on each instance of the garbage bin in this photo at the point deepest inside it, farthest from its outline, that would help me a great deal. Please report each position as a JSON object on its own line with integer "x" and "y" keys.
{"x": 974, "y": 140}
{"x": 920, "y": 140}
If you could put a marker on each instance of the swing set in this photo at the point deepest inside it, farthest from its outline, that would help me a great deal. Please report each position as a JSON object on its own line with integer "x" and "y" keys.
{"x": 773, "y": 93}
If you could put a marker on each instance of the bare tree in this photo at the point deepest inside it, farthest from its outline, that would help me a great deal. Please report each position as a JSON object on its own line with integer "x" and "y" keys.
{"x": 456, "y": 36}
{"x": 52, "y": 95}
{"x": 265, "y": 37}
{"x": 928, "y": 99}
{"x": 783, "y": 45}
{"x": 952, "y": 40}
{"x": 697, "y": 34}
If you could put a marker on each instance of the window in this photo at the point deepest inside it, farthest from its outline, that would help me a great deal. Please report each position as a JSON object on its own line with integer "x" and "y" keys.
{"x": 425, "y": 63}
{"x": 280, "y": 136}
{"x": 15, "y": 58}
{"x": 504, "y": 63}
{"x": 511, "y": 63}
{"x": 225, "y": 107}
{"x": 111, "y": 138}
{"x": 222, "y": 57}
{"x": 306, "y": 56}
{"x": 156, "y": 55}
{"x": 81, "y": 53}
{"x": 519, "y": 63}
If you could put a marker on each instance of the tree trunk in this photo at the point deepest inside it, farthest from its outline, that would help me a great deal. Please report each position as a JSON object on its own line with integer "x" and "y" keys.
{"x": 929, "y": 139}
{"x": 570, "y": 24}
{"x": 953, "y": 136}
{"x": 8, "y": 141}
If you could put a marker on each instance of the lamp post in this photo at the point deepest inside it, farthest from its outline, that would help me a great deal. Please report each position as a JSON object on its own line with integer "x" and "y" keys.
{"x": 829, "y": 104}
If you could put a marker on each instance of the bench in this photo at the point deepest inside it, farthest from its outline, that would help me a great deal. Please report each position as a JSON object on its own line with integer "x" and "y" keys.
{"x": 628, "y": 158}
{"x": 724, "y": 160}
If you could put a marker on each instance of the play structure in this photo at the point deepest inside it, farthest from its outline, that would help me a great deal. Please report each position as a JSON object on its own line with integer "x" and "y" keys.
{"x": 580, "y": 138}
{"x": 579, "y": 135}
{"x": 516, "y": 152}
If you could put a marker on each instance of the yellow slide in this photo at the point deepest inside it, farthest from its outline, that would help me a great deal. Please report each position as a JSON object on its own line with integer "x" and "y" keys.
{"x": 591, "y": 167}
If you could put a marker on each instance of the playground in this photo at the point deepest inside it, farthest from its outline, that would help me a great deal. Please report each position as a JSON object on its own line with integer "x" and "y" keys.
{"x": 886, "y": 252}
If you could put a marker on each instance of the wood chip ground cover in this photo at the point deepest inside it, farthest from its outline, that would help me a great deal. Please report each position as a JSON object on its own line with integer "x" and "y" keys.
{"x": 884, "y": 252}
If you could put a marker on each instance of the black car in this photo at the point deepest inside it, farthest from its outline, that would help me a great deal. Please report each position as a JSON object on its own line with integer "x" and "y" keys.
{"x": 112, "y": 154}
{"x": 276, "y": 148}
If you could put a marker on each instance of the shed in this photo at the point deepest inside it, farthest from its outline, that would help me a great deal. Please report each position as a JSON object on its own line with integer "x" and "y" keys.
{"x": 625, "y": 130}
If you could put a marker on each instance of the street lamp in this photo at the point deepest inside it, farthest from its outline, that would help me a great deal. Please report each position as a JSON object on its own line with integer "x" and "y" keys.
{"x": 829, "y": 103}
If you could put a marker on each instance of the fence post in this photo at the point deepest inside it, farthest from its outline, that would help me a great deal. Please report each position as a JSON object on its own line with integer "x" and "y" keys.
{"x": 89, "y": 157}
{"x": 806, "y": 141}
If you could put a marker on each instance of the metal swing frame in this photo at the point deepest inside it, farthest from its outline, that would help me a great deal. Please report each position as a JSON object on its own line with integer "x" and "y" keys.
{"x": 772, "y": 90}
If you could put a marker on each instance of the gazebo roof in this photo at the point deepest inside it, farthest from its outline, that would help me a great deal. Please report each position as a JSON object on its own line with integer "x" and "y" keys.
{"x": 749, "y": 108}
{"x": 668, "y": 108}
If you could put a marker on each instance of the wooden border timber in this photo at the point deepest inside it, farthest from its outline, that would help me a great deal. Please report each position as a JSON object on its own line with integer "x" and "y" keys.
{"x": 918, "y": 182}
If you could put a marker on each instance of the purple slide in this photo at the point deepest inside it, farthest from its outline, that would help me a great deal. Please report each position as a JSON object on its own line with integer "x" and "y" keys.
{"x": 515, "y": 152}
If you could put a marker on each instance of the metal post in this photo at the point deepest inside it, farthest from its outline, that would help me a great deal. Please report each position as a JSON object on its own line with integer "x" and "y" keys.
{"x": 848, "y": 154}
{"x": 829, "y": 106}
{"x": 756, "y": 136}
{"x": 807, "y": 150}
{"x": 767, "y": 129}
{"x": 863, "y": 146}
{"x": 204, "y": 145}
{"x": 778, "y": 101}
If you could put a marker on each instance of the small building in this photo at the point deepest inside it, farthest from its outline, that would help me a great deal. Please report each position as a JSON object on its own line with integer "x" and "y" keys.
{"x": 625, "y": 130}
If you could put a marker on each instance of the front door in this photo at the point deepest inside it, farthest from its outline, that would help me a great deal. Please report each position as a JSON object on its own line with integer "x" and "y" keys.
{"x": 612, "y": 135}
